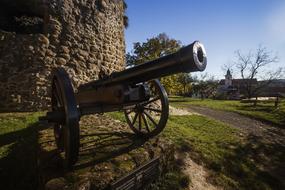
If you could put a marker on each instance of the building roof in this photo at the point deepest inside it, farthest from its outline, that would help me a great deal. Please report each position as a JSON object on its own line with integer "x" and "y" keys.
{"x": 229, "y": 72}
{"x": 238, "y": 82}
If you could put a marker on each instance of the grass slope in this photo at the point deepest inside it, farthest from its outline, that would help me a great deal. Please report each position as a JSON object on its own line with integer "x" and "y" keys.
{"x": 232, "y": 159}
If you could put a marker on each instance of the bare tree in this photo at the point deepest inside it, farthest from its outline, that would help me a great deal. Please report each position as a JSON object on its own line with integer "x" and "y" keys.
{"x": 255, "y": 65}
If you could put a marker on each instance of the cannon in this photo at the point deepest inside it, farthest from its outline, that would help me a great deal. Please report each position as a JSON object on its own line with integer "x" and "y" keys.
{"x": 136, "y": 91}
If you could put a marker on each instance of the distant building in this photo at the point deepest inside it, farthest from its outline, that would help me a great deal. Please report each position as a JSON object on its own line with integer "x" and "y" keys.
{"x": 230, "y": 88}
{"x": 228, "y": 81}
{"x": 274, "y": 88}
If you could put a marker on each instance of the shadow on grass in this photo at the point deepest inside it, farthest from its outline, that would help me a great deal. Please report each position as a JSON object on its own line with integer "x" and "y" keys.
{"x": 277, "y": 113}
{"x": 173, "y": 101}
{"x": 250, "y": 107}
{"x": 95, "y": 148}
{"x": 19, "y": 168}
{"x": 259, "y": 107}
{"x": 28, "y": 166}
{"x": 254, "y": 164}
{"x": 100, "y": 147}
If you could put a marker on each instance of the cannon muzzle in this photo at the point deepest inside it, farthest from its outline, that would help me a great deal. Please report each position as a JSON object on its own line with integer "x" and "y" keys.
{"x": 193, "y": 57}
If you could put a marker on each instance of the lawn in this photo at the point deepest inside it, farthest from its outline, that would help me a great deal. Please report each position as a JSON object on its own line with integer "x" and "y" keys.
{"x": 264, "y": 111}
{"x": 231, "y": 158}
{"x": 22, "y": 158}
{"x": 18, "y": 150}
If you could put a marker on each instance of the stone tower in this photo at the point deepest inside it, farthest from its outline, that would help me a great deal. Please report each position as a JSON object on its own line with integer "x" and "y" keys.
{"x": 86, "y": 37}
{"x": 228, "y": 78}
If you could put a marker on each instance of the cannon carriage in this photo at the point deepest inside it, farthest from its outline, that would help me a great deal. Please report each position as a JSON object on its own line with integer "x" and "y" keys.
{"x": 136, "y": 91}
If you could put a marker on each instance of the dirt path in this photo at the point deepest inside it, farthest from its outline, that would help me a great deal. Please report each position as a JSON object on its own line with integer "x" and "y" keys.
{"x": 246, "y": 124}
{"x": 198, "y": 175}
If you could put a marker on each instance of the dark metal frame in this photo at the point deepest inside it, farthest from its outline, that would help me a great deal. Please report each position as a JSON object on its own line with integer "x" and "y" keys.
{"x": 138, "y": 178}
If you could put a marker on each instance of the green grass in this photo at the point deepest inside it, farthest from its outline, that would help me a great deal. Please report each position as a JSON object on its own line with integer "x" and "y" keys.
{"x": 264, "y": 111}
{"x": 206, "y": 137}
{"x": 13, "y": 124}
{"x": 18, "y": 150}
{"x": 235, "y": 162}
{"x": 172, "y": 179}
{"x": 231, "y": 158}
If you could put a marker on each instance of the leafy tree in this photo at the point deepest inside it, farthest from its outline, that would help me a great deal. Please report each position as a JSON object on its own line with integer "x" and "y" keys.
{"x": 185, "y": 80}
{"x": 171, "y": 84}
{"x": 154, "y": 48}
{"x": 204, "y": 86}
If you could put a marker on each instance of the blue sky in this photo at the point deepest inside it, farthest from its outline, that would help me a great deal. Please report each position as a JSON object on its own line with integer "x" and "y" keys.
{"x": 223, "y": 26}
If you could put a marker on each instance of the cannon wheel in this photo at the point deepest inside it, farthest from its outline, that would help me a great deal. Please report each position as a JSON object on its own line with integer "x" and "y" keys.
{"x": 149, "y": 118}
{"x": 66, "y": 132}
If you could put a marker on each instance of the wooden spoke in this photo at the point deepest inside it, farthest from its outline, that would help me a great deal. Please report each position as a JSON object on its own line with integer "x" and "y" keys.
{"x": 135, "y": 118}
{"x": 145, "y": 122}
{"x": 153, "y": 109}
{"x": 140, "y": 121}
{"x": 152, "y": 100}
{"x": 151, "y": 114}
{"x": 150, "y": 118}
{"x": 58, "y": 103}
{"x": 129, "y": 111}
{"x": 58, "y": 92}
{"x": 54, "y": 93}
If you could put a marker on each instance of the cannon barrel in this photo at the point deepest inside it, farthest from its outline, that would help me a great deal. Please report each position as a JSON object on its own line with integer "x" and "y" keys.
{"x": 190, "y": 58}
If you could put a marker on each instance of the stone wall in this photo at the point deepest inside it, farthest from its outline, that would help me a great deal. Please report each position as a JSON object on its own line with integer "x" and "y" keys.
{"x": 86, "y": 37}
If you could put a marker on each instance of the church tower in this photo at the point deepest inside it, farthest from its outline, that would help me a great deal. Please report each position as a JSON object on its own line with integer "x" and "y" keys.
{"x": 228, "y": 78}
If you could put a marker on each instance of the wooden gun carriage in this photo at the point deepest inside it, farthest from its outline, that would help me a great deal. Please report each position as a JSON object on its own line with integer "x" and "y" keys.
{"x": 136, "y": 91}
